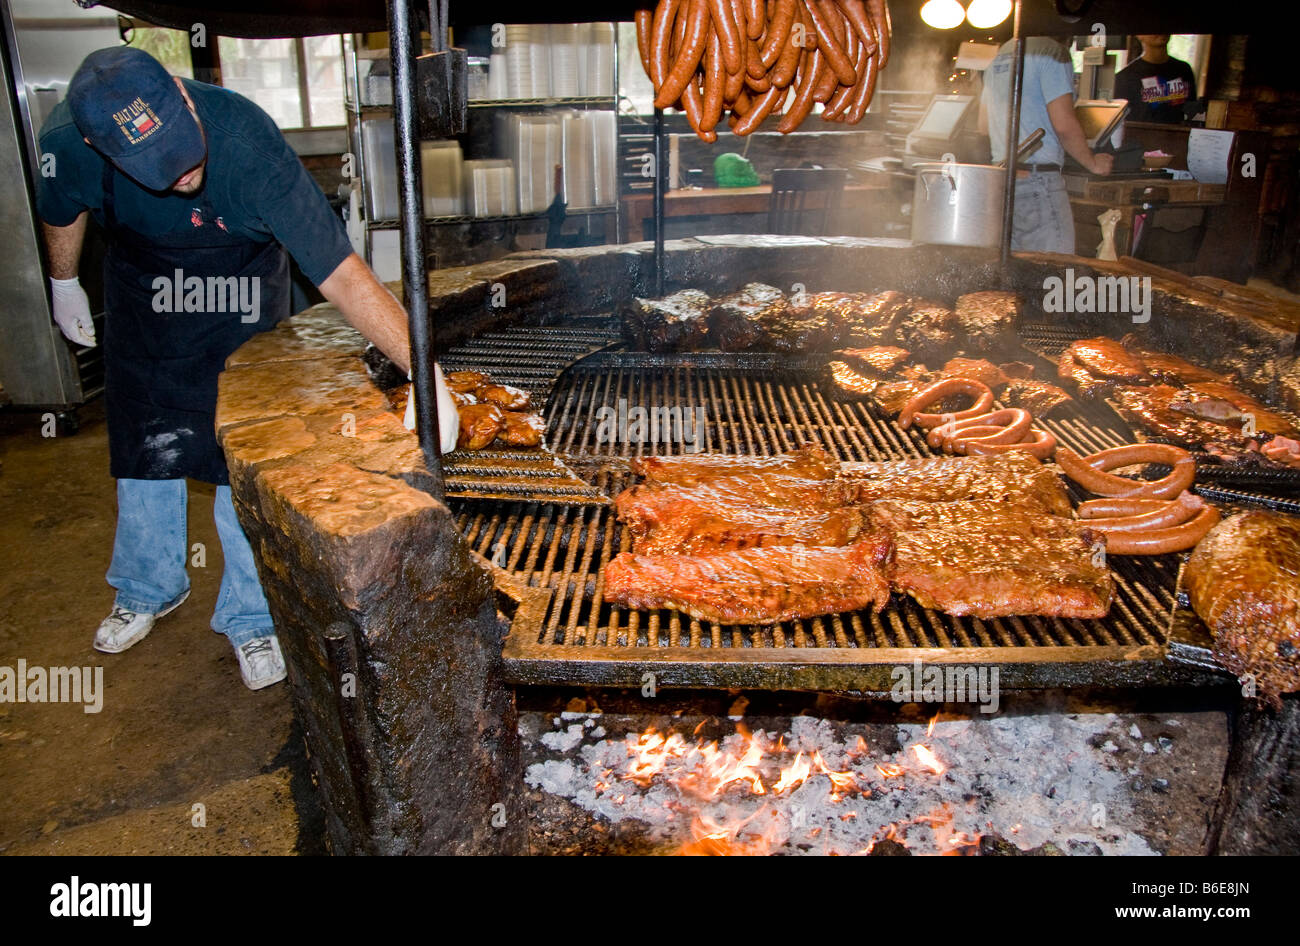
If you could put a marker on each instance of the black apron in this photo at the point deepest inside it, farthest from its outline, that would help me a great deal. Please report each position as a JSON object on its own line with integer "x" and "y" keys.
{"x": 160, "y": 368}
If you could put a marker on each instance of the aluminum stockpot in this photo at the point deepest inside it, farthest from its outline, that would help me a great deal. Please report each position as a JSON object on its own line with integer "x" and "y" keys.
{"x": 958, "y": 204}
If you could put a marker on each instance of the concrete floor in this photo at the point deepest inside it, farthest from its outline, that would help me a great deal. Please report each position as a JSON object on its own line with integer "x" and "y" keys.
{"x": 177, "y": 730}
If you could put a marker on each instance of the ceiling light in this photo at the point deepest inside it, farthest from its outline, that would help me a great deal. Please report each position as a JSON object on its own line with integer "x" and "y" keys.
{"x": 986, "y": 14}
{"x": 943, "y": 14}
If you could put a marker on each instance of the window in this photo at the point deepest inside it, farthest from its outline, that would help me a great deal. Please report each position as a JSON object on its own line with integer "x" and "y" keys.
{"x": 635, "y": 91}
{"x": 299, "y": 82}
{"x": 169, "y": 47}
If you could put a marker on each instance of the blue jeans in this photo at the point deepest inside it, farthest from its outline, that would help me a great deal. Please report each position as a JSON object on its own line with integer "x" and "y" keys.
{"x": 1043, "y": 221}
{"x": 151, "y": 548}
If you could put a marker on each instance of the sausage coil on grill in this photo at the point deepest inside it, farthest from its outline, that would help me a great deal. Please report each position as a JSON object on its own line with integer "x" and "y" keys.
{"x": 1091, "y": 472}
{"x": 941, "y": 389}
{"x": 1177, "y": 538}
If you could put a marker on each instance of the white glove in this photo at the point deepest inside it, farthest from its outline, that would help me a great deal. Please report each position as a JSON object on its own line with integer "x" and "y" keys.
{"x": 72, "y": 311}
{"x": 448, "y": 416}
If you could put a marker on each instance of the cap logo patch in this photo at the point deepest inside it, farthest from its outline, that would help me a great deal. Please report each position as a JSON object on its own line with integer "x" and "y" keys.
{"x": 137, "y": 121}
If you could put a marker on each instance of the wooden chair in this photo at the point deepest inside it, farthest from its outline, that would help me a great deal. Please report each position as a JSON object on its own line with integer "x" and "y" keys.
{"x": 792, "y": 211}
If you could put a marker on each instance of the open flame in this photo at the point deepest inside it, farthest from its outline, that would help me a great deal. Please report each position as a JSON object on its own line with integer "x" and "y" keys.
{"x": 753, "y": 764}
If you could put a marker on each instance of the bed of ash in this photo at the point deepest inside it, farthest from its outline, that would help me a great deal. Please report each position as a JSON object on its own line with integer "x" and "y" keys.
{"x": 1045, "y": 775}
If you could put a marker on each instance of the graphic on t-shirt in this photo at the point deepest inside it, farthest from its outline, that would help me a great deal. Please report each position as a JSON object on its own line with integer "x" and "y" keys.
{"x": 1167, "y": 92}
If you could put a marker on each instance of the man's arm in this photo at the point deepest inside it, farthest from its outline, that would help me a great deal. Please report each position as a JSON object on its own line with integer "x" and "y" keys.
{"x": 1066, "y": 125}
{"x": 63, "y": 244}
{"x": 370, "y": 308}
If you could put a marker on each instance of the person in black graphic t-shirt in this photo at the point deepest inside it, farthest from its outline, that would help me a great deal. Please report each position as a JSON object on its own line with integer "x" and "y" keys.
{"x": 1156, "y": 86}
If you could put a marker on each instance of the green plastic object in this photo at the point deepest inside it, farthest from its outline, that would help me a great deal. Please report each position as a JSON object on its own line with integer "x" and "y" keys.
{"x": 731, "y": 170}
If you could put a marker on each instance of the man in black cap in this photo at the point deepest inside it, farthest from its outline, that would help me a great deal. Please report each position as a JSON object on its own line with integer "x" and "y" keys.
{"x": 198, "y": 192}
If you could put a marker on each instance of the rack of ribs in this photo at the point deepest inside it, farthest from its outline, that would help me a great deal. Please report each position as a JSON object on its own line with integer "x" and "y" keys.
{"x": 687, "y": 527}
{"x": 1014, "y": 478}
{"x": 810, "y": 461}
{"x": 1000, "y": 571}
{"x": 755, "y": 586}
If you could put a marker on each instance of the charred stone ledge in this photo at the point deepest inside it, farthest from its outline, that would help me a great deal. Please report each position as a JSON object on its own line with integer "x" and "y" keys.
{"x": 387, "y": 620}
{"x": 388, "y": 625}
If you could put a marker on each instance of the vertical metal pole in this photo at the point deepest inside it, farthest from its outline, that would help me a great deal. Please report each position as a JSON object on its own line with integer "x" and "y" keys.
{"x": 661, "y": 177}
{"x": 415, "y": 278}
{"x": 1013, "y": 136}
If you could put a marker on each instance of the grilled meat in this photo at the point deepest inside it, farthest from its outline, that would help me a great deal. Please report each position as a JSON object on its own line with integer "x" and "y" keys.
{"x": 968, "y": 515}
{"x": 465, "y": 382}
{"x": 847, "y": 379}
{"x": 1017, "y": 370}
{"x": 1264, "y": 419}
{"x": 1037, "y": 397}
{"x": 1169, "y": 369}
{"x": 462, "y": 400}
{"x": 678, "y": 322}
{"x": 1014, "y": 478}
{"x": 642, "y": 508}
{"x": 521, "y": 430}
{"x": 736, "y": 321}
{"x": 505, "y": 396}
{"x": 876, "y": 360}
{"x": 1108, "y": 360}
{"x": 688, "y": 527}
{"x": 893, "y": 395}
{"x": 1088, "y": 385}
{"x": 1244, "y": 582}
{"x": 867, "y": 319}
{"x": 977, "y": 368}
{"x": 1154, "y": 409}
{"x": 986, "y": 321}
{"x": 929, "y": 329}
{"x": 993, "y": 573}
{"x": 479, "y": 426}
{"x": 810, "y": 461}
{"x": 757, "y": 585}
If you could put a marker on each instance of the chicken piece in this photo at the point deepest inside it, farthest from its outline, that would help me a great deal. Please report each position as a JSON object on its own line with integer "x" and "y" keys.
{"x": 463, "y": 400}
{"x": 466, "y": 382}
{"x": 479, "y": 426}
{"x": 522, "y": 430}
{"x": 505, "y": 396}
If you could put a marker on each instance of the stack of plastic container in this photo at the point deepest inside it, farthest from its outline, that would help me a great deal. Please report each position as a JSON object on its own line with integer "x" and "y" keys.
{"x": 490, "y": 189}
{"x": 567, "y": 50}
{"x": 597, "y": 44}
{"x": 533, "y": 143}
{"x": 442, "y": 174}
{"x": 528, "y": 61}
{"x": 590, "y": 163}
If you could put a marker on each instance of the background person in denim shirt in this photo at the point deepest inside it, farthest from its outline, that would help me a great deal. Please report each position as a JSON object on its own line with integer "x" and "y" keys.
{"x": 1043, "y": 220}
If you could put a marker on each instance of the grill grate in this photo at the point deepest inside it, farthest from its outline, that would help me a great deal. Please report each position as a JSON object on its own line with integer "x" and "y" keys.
{"x": 531, "y": 359}
{"x": 564, "y": 631}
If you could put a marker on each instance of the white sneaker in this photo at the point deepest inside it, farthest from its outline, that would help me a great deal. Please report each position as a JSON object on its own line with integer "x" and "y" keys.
{"x": 124, "y": 628}
{"x": 260, "y": 662}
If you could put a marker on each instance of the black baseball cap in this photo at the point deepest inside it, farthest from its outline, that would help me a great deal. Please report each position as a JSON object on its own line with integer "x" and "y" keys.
{"x": 127, "y": 105}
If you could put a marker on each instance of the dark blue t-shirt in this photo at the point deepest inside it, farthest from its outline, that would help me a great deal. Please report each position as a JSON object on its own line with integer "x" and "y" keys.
{"x": 254, "y": 181}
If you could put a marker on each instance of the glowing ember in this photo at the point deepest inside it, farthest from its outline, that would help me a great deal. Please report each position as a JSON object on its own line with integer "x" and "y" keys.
{"x": 928, "y": 759}
{"x": 889, "y": 769}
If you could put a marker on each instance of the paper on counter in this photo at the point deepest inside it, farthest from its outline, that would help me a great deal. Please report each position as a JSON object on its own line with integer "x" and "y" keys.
{"x": 1208, "y": 152}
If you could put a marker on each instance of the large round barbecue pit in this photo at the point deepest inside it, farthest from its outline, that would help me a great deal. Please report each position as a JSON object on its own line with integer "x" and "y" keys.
{"x": 811, "y": 462}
